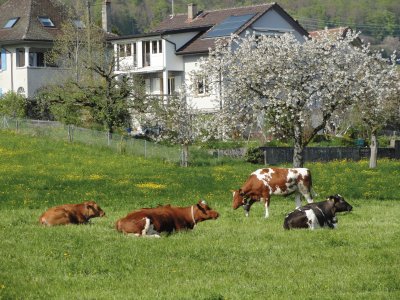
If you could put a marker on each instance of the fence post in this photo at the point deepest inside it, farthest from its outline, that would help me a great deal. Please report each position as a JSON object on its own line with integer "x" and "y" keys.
{"x": 397, "y": 149}
{"x": 70, "y": 133}
{"x": 145, "y": 149}
{"x": 265, "y": 156}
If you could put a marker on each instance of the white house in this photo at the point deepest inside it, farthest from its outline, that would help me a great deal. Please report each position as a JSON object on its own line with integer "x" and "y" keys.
{"x": 166, "y": 56}
{"x": 27, "y": 31}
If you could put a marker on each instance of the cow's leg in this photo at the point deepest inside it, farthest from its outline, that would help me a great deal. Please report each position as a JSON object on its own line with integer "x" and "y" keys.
{"x": 266, "y": 197}
{"x": 298, "y": 200}
{"x": 266, "y": 205}
{"x": 149, "y": 230}
{"x": 308, "y": 197}
{"x": 247, "y": 206}
{"x": 306, "y": 192}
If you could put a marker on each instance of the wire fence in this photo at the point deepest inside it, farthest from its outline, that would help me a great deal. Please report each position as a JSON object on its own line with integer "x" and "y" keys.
{"x": 124, "y": 144}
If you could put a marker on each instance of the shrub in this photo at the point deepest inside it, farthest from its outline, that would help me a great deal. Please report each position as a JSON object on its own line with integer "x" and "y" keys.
{"x": 254, "y": 155}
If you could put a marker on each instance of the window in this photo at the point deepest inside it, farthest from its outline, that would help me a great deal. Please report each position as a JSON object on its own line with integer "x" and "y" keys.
{"x": 201, "y": 86}
{"x": 156, "y": 46}
{"x": 134, "y": 55}
{"x": 20, "y": 57}
{"x": 36, "y": 58}
{"x": 46, "y": 22}
{"x": 129, "y": 50}
{"x": 160, "y": 46}
{"x": 11, "y": 22}
{"x": 146, "y": 53}
{"x": 171, "y": 85}
{"x": 3, "y": 64}
{"x": 121, "y": 50}
{"x": 21, "y": 91}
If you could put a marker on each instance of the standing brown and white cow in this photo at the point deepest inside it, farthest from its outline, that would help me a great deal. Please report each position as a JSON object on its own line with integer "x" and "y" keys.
{"x": 71, "y": 214}
{"x": 153, "y": 221}
{"x": 263, "y": 183}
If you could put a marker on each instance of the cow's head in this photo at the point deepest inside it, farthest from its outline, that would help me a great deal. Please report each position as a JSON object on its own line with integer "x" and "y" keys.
{"x": 204, "y": 212}
{"x": 92, "y": 210}
{"x": 339, "y": 203}
{"x": 238, "y": 199}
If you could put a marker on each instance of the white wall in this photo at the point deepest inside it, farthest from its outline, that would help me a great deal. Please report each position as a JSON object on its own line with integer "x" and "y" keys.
{"x": 173, "y": 43}
{"x": 207, "y": 102}
{"x": 273, "y": 20}
{"x": 25, "y": 78}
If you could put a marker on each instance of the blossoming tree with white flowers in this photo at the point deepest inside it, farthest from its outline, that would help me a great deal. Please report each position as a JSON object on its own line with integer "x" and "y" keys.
{"x": 378, "y": 101}
{"x": 296, "y": 86}
{"x": 176, "y": 120}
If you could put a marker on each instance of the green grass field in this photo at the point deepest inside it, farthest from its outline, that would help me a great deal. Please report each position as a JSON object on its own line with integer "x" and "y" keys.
{"x": 230, "y": 258}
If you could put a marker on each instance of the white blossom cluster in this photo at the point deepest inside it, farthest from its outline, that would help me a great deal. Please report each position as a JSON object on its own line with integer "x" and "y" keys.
{"x": 299, "y": 87}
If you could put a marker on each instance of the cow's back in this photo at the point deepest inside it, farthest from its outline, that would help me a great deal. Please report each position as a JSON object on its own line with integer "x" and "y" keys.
{"x": 296, "y": 219}
{"x": 162, "y": 218}
{"x": 58, "y": 215}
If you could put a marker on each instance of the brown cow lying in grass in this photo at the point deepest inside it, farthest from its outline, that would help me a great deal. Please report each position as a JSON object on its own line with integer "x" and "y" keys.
{"x": 71, "y": 214}
{"x": 153, "y": 221}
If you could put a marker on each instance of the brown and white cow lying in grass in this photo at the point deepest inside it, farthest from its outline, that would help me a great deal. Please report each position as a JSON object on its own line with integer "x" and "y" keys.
{"x": 317, "y": 215}
{"x": 71, "y": 214}
{"x": 153, "y": 221}
{"x": 263, "y": 183}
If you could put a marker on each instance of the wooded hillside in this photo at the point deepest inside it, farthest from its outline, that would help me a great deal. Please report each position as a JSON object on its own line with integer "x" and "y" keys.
{"x": 377, "y": 19}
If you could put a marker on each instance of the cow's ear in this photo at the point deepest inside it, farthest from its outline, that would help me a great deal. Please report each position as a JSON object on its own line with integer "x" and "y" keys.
{"x": 202, "y": 203}
{"x": 89, "y": 204}
{"x": 200, "y": 207}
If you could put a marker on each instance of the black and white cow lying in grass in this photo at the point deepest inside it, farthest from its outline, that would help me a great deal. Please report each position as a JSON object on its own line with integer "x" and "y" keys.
{"x": 316, "y": 215}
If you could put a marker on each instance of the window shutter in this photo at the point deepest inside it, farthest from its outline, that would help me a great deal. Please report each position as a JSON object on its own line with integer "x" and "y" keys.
{"x": 3, "y": 60}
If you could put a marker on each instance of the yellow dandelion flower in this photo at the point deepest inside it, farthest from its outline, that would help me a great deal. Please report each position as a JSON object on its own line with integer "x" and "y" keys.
{"x": 151, "y": 185}
{"x": 96, "y": 177}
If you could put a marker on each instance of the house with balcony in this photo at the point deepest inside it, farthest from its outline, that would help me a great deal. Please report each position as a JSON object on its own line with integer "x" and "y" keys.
{"x": 28, "y": 29}
{"x": 166, "y": 56}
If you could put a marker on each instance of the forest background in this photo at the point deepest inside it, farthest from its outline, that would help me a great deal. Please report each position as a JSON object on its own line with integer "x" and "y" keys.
{"x": 378, "y": 20}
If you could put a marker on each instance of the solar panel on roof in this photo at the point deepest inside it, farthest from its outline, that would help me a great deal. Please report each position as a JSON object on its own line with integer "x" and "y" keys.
{"x": 228, "y": 26}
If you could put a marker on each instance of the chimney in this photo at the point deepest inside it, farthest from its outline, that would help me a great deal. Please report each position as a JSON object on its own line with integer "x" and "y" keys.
{"x": 192, "y": 11}
{"x": 106, "y": 15}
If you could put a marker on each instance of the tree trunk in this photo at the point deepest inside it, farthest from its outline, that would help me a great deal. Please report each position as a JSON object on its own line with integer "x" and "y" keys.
{"x": 298, "y": 151}
{"x": 374, "y": 151}
{"x": 298, "y": 156}
{"x": 185, "y": 155}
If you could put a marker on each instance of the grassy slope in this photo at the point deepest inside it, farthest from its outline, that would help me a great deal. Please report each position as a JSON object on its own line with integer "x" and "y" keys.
{"x": 230, "y": 258}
